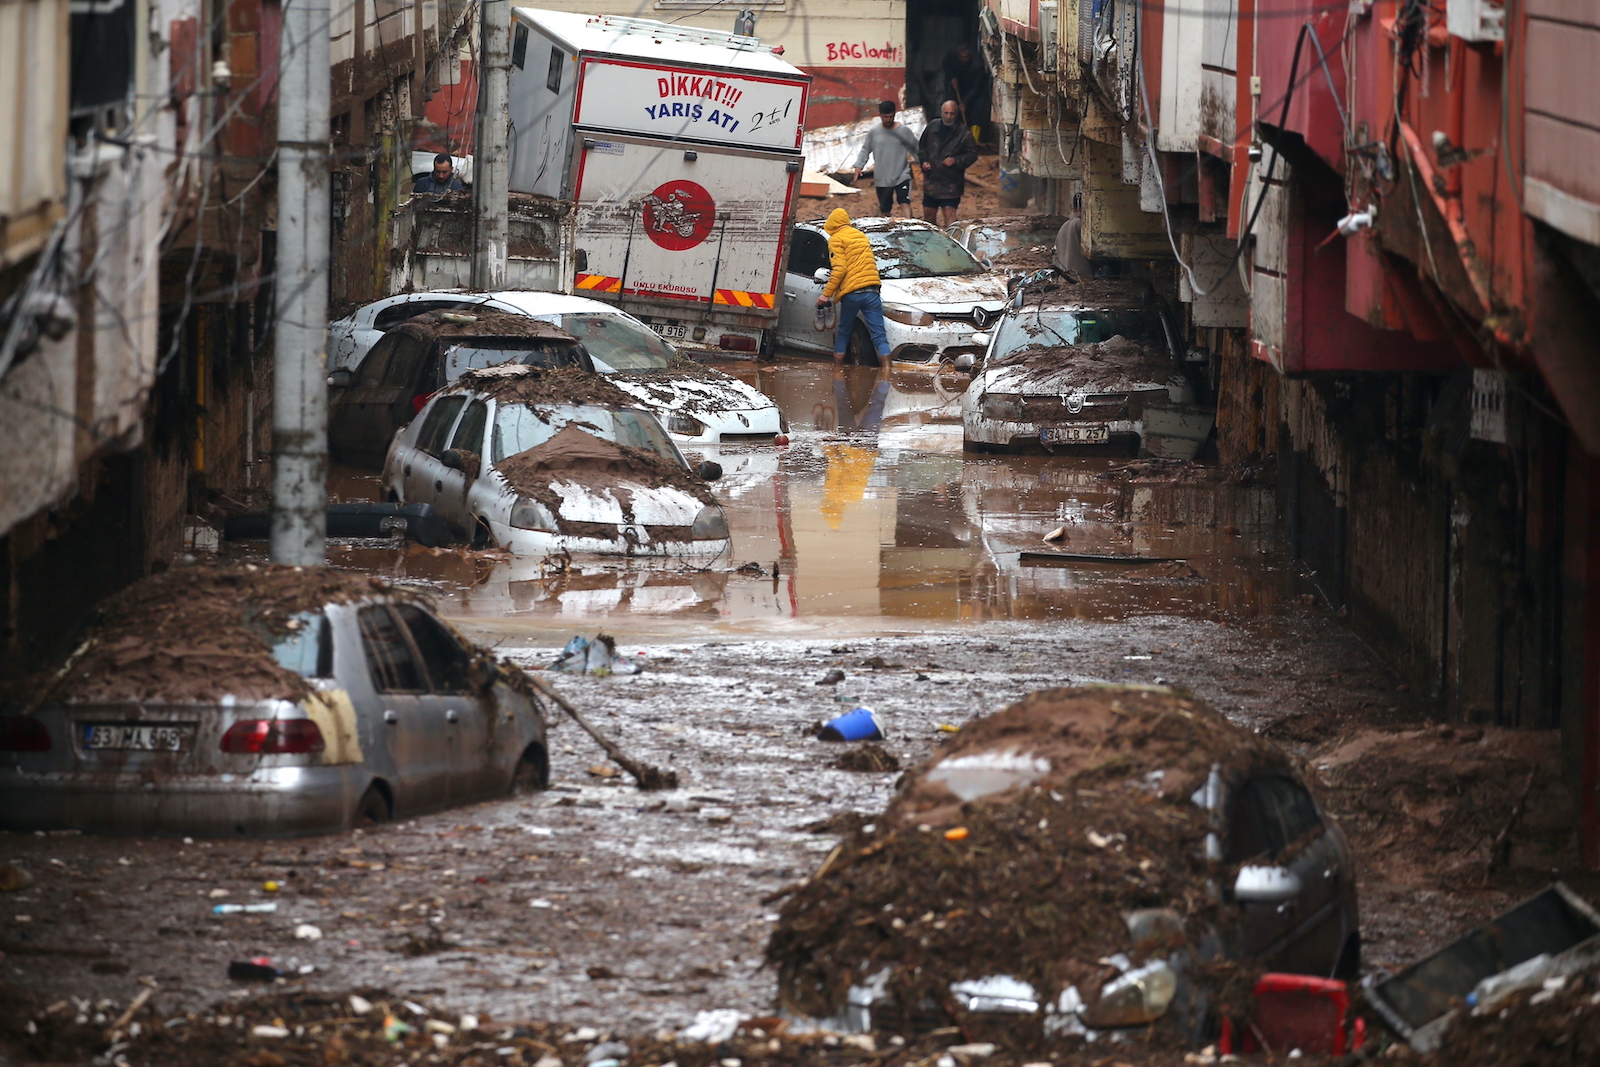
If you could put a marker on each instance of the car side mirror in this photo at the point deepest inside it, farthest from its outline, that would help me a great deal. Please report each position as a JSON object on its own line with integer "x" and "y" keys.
{"x": 981, "y": 338}
{"x": 708, "y": 470}
{"x": 340, "y": 379}
{"x": 1266, "y": 885}
{"x": 453, "y": 459}
{"x": 821, "y": 274}
{"x": 966, "y": 361}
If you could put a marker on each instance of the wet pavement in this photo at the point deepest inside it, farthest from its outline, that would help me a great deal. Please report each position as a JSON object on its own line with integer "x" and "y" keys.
{"x": 871, "y": 545}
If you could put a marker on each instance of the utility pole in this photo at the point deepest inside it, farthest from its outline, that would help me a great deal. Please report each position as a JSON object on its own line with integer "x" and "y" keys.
{"x": 490, "y": 164}
{"x": 300, "y": 287}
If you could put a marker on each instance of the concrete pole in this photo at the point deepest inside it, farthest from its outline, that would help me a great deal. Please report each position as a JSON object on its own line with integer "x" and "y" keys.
{"x": 300, "y": 390}
{"x": 490, "y": 163}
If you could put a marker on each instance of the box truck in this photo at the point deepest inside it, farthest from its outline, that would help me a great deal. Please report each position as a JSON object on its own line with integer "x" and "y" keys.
{"x": 678, "y": 150}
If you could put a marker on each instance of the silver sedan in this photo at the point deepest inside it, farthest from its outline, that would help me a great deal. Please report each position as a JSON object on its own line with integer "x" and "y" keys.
{"x": 399, "y": 717}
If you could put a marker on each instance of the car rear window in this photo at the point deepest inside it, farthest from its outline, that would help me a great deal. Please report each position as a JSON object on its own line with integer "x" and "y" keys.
{"x": 492, "y": 352}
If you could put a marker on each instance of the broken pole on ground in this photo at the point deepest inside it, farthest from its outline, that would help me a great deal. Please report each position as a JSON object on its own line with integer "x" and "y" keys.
{"x": 300, "y": 291}
{"x": 647, "y": 777}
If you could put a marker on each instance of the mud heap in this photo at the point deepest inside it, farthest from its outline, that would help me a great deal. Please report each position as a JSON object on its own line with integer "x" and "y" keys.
{"x": 515, "y": 383}
{"x": 573, "y": 454}
{"x": 1018, "y": 850}
{"x": 1113, "y": 364}
{"x": 193, "y": 634}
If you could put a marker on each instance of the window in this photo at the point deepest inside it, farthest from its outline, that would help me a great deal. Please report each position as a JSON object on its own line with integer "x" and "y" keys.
{"x": 437, "y": 425}
{"x": 618, "y": 341}
{"x": 469, "y": 435}
{"x": 920, "y": 254}
{"x": 1270, "y": 814}
{"x": 1046, "y": 328}
{"x": 519, "y": 427}
{"x": 484, "y": 352}
{"x": 372, "y": 368}
{"x": 808, "y": 253}
{"x": 558, "y": 60}
{"x": 305, "y": 648}
{"x": 446, "y": 661}
{"x": 390, "y": 317}
{"x": 405, "y": 365}
{"x": 519, "y": 46}
{"x": 390, "y": 657}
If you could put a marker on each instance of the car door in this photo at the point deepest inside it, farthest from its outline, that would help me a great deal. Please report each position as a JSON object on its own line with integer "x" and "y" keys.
{"x": 413, "y": 732}
{"x": 453, "y": 485}
{"x": 477, "y": 767}
{"x": 422, "y": 474}
{"x": 355, "y": 414}
{"x": 808, "y": 252}
{"x": 1274, "y": 821}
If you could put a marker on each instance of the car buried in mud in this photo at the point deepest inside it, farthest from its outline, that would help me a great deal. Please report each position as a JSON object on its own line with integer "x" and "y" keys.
{"x": 422, "y": 355}
{"x": 935, "y": 293}
{"x": 541, "y": 462}
{"x": 264, "y": 700}
{"x": 1083, "y": 367}
{"x": 1085, "y": 860}
{"x": 698, "y": 405}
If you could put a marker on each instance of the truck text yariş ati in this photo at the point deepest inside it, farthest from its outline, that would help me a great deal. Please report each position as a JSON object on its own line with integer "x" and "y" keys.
{"x": 679, "y": 149}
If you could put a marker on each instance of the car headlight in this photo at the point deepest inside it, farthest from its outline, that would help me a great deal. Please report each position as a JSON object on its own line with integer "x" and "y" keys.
{"x": 1004, "y": 406}
{"x": 910, "y": 316}
{"x": 709, "y": 525}
{"x": 532, "y": 515}
{"x": 685, "y": 425}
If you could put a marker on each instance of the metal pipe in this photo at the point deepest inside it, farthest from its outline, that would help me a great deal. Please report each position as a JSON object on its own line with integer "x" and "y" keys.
{"x": 299, "y": 385}
{"x": 491, "y": 165}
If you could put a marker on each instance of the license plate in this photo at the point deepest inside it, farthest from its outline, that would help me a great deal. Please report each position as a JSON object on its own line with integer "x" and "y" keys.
{"x": 136, "y": 738}
{"x": 670, "y": 330}
{"x": 1093, "y": 434}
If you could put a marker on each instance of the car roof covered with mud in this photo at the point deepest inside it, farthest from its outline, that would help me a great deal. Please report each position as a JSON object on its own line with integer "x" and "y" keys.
{"x": 517, "y": 383}
{"x": 479, "y": 322}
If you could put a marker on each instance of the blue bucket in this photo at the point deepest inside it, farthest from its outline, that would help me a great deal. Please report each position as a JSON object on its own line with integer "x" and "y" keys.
{"x": 858, "y": 725}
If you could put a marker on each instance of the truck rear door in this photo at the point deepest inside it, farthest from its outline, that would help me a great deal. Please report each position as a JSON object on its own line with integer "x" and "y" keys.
{"x": 697, "y": 224}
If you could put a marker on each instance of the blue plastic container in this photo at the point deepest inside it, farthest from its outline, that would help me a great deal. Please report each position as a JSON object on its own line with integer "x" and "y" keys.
{"x": 858, "y": 725}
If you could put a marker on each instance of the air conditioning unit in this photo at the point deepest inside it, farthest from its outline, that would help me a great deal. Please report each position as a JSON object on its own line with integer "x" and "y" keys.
{"x": 1475, "y": 20}
{"x": 1047, "y": 35}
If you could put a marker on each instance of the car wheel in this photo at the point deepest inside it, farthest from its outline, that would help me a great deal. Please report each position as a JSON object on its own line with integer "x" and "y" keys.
{"x": 481, "y": 537}
{"x": 860, "y": 350}
{"x": 374, "y": 806}
{"x": 533, "y": 772}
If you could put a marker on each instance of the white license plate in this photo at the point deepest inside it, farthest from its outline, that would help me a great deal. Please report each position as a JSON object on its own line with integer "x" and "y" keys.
{"x": 1093, "y": 434}
{"x": 136, "y": 738}
{"x": 670, "y": 330}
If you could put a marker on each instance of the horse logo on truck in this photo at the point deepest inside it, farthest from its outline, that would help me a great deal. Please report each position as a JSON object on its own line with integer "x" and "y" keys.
{"x": 678, "y": 214}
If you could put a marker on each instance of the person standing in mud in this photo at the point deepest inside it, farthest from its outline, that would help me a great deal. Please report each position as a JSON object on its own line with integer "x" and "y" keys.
{"x": 854, "y": 280}
{"x": 892, "y": 149}
{"x": 946, "y": 151}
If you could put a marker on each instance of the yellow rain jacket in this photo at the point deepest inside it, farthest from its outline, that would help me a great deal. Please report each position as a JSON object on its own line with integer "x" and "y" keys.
{"x": 853, "y": 265}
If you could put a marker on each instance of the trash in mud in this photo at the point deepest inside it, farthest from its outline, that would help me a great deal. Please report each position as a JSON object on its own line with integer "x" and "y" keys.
{"x": 245, "y": 909}
{"x": 983, "y": 865}
{"x": 14, "y": 879}
{"x": 858, "y": 725}
{"x": 833, "y": 677}
{"x": 868, "y": 757}
{"x": 259, "y": 969}
{"x": 599, "y": 657}
{"x": 1554, "y": 1022}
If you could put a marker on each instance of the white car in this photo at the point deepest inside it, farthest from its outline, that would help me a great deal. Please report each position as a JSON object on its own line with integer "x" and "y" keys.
{"x": 699, "y": 405}
{"x": 544, "y": 461}
{"x": 935, "y": 293}
{"x": 1085, "y": 367}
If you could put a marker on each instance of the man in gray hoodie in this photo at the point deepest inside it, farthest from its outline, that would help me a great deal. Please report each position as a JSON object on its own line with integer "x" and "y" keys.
{"x": 891, "y": 147}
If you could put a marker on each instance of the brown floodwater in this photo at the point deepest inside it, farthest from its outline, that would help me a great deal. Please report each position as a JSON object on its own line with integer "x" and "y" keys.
{"x": 874, "y": 520}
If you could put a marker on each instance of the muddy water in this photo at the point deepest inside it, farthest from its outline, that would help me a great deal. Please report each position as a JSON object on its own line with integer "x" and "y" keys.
{"x": 873, "y": 520}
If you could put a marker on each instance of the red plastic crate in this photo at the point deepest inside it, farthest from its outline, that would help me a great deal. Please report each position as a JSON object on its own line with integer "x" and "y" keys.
{"x": 1295, "y": 1011}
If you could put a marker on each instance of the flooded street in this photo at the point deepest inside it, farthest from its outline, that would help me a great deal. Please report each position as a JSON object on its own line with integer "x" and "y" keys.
{"x": 881, "y": 552}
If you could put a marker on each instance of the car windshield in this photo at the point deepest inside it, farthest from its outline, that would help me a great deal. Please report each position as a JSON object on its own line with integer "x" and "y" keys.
{"x": 519, "y": 427}
{"x": 915, "y": 253}
{"x": 493, "y": 351}
{"x": 1048, "y": 329}
{"x": 620, "y": 342}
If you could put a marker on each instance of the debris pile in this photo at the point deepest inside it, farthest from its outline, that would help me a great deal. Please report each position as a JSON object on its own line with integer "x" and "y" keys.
{"x": 1556, "y": 1024}
{"x": 1020, "y": 850}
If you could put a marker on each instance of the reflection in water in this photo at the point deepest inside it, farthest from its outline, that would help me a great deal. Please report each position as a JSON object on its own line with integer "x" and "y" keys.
{"x": 873, "y": 518}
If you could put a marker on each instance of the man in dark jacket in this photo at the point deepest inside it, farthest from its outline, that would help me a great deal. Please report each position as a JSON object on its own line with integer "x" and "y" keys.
{"x": 442, "y": 180}
{"x": 945, "y": 151}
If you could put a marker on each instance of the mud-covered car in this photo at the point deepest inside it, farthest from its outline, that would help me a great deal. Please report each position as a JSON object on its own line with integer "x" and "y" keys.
{"x": 935, "y": 293}
{"x": 263, "y": 700}
{"x": 1092, "y": 366}
{"x": 1014, "y": 244}
{"x": 698, "y": 405}
{"x": 1086, "y": 859}
{"x": 421, "y": 356}
{"x": 539, "y": 461}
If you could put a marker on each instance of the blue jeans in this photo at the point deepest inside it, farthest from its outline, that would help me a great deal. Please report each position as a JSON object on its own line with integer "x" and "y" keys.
{"x": 869, "y": 305}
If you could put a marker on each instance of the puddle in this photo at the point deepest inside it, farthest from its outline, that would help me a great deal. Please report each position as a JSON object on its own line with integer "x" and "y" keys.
{"x": 874, "y": 520}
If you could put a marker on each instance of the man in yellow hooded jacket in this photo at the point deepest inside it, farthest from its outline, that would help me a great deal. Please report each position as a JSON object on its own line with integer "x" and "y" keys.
{"x": 854, "y": 281}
